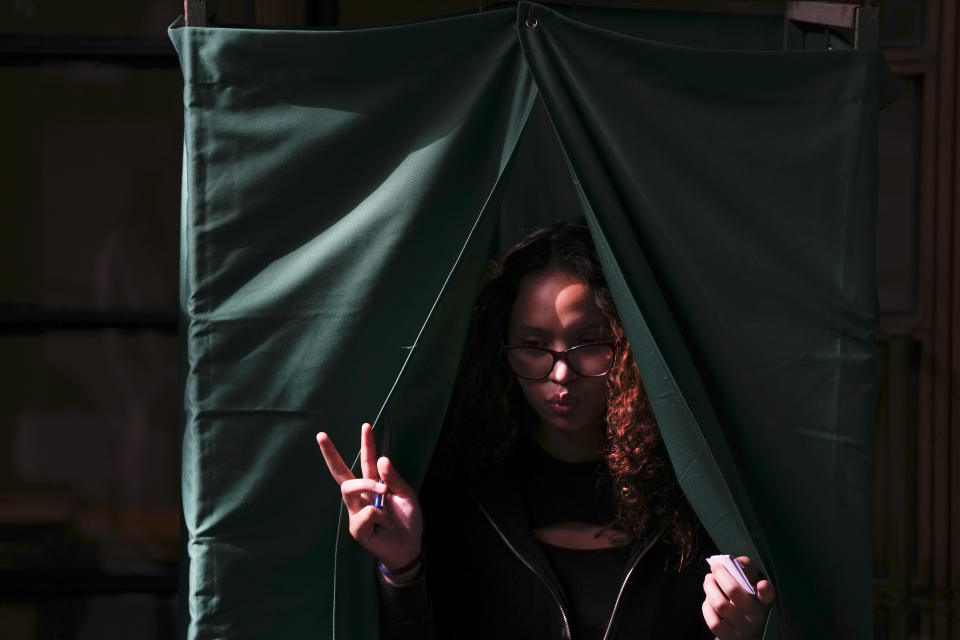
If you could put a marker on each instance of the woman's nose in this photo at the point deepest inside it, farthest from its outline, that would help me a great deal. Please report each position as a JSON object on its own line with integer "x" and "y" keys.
{"x": 561, "y": 371}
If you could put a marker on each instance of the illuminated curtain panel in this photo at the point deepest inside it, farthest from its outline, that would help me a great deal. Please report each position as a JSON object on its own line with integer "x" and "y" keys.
{"x": 332, "y": 181}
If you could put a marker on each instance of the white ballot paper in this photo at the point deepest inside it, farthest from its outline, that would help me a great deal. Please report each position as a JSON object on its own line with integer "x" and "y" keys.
{"x": 733, "y": 568}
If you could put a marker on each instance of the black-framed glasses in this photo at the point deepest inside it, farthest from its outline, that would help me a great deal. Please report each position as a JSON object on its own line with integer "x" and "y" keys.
{"x": 590, "y": 360}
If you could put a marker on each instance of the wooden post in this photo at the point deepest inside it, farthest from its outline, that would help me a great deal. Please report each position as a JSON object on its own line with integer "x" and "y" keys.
{"x": 195, "y": 13}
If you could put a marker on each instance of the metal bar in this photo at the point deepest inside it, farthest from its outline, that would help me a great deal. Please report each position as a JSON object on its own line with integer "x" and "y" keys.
{"x": 934, "y": 557}
{"x": 900, "y": 449}
{"x": 733, "y": 7}
{"x": 40, "y": 584}
{"x": 881, "y": 472}
{"x": 35, "y": 319}
{"x": 20, "y": 50}
{"x": 824, "y": 14}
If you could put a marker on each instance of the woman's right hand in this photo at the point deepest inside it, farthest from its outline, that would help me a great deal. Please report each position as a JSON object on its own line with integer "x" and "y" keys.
{"x": 393, "y": 534}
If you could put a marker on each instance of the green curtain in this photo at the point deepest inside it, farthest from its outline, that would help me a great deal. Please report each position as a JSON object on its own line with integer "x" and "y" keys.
{"x": 343, "y": 191}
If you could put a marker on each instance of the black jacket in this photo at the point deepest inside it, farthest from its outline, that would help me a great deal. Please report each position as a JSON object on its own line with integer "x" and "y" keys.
{"x": 486, "y": 576}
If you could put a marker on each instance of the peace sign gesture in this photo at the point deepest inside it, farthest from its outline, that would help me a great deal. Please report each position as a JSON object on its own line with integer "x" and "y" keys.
{"x": 393, "y": 534}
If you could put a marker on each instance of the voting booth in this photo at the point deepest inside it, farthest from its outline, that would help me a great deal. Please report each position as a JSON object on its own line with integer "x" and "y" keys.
{"x": 344, "y": 189}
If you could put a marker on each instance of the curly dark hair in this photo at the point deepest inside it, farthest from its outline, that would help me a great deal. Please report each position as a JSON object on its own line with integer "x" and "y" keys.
{"x": 645, "y": 491}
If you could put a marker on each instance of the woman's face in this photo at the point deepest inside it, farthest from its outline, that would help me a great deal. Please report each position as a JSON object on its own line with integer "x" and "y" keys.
{"x": 555, "y": 309}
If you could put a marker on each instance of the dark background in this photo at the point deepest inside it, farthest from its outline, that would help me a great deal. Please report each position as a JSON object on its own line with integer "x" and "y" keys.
{"x": 91, "y": 131}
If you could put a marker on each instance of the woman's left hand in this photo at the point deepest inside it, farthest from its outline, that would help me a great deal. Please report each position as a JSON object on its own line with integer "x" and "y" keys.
{"x": 729, "y": 610}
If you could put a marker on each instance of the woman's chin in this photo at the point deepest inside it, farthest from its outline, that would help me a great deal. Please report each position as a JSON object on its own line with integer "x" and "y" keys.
{"x": 568, "y": 422}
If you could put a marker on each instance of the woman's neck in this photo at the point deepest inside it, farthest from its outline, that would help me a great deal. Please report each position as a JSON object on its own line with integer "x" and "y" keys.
{"x": 582, "y": 445}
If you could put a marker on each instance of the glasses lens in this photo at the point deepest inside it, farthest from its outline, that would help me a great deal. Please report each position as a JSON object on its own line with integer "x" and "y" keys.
{"x": 591, "y": 359}
{"x": 585, "y": 360}
{"x": 530, "y": 363}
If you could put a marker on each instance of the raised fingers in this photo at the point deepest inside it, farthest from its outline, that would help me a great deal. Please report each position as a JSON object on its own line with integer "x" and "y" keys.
{"x": 368, "y": 452}
{"x": 335, "y": 464}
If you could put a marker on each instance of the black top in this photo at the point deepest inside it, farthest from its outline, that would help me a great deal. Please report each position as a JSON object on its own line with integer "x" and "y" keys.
{"x": 555, "y": 491}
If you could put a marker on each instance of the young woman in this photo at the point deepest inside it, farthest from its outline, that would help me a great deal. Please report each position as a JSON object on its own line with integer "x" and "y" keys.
{"x": 551, "y": 509}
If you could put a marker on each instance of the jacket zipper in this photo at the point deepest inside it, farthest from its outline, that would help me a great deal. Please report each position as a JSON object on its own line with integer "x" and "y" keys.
{"x": 556, "y": 596}
{"x": 626, "y": 578}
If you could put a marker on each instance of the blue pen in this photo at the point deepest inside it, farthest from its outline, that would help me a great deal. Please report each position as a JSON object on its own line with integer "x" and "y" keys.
{"x": 385, "y": 440}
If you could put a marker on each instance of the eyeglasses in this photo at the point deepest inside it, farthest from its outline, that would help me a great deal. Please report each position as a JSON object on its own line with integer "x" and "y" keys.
{"x": 590, "y": 360}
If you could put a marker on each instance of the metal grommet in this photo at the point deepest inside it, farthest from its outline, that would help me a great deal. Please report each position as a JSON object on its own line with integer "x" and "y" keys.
{"x": 531, "y": 21}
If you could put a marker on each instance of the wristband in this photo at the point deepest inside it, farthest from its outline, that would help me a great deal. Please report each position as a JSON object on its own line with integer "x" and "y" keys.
{"x": 399, "y": 571}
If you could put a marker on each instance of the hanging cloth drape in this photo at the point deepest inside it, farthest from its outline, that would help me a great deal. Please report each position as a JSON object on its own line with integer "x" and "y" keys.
{"x": 343, "y": 191}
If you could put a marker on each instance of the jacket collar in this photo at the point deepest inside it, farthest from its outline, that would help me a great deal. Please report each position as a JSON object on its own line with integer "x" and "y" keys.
{"x": 499, "y": 498}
